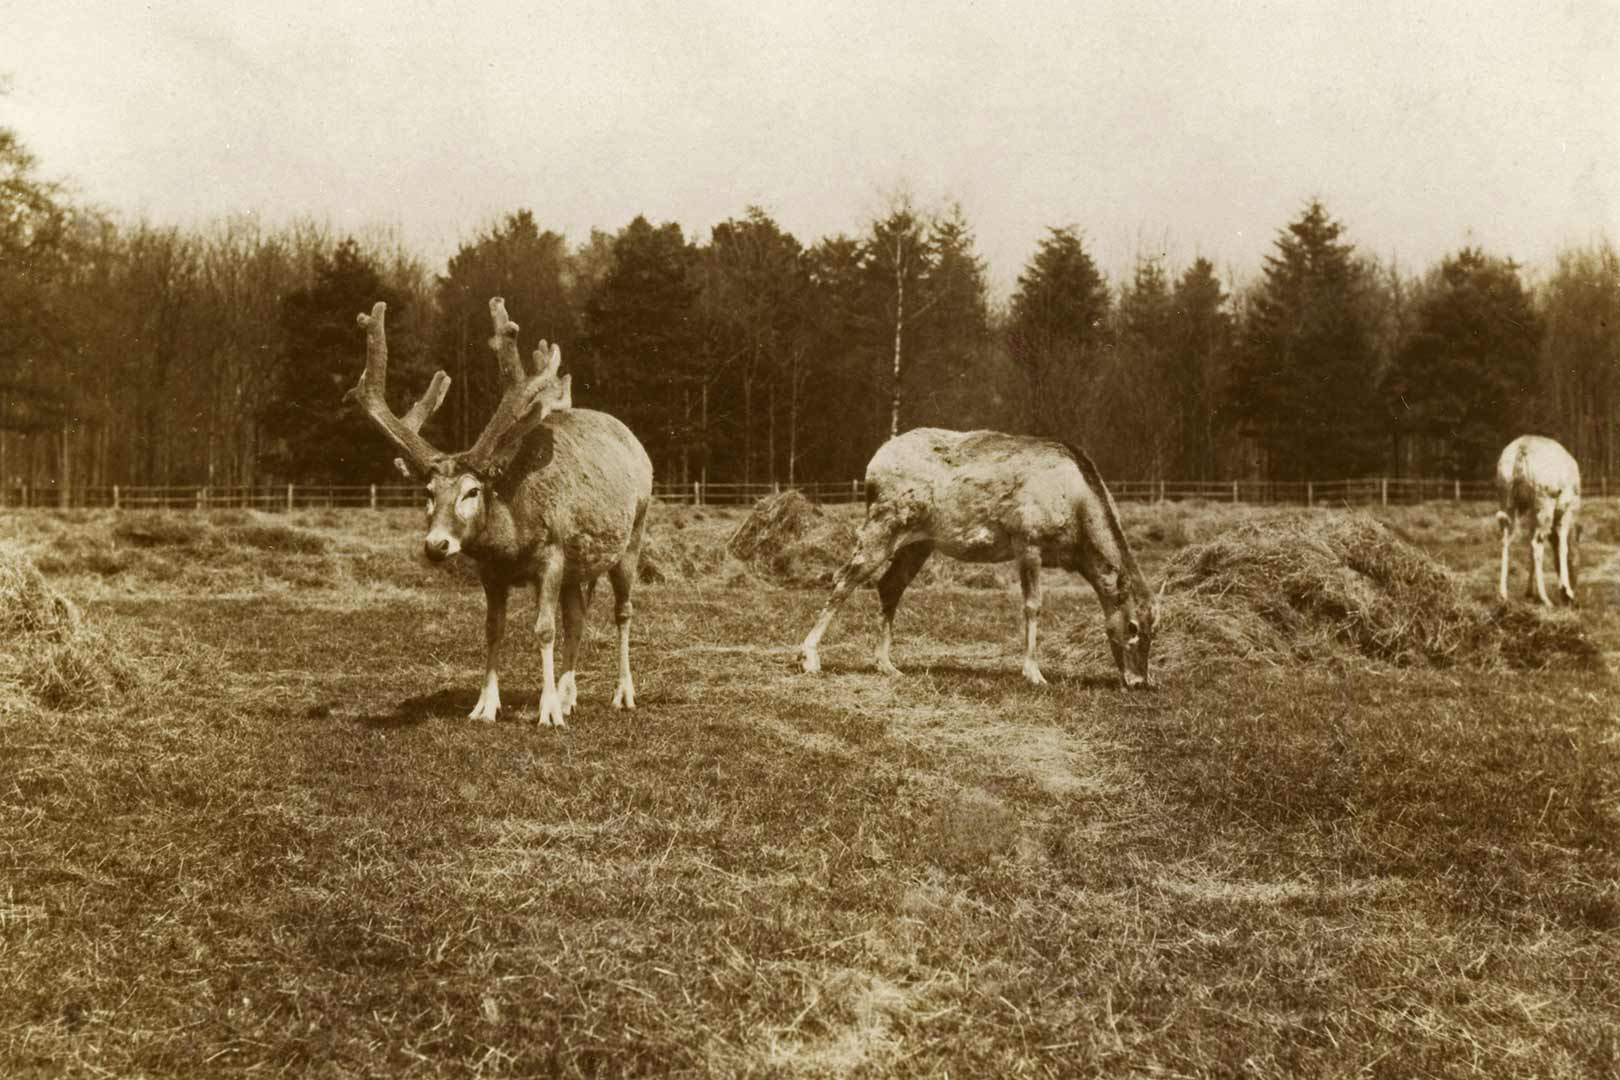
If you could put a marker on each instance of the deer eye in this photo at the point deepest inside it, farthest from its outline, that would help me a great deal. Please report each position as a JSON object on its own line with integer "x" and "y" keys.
{"x": 472, "y": 493}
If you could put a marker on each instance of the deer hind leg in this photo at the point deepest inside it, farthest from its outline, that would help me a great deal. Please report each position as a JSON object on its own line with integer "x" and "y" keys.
{"x": 874, "y": 545}
{"x": 489, "y": 701}
{"x": 623, "y": 579}
{"x": 548, "y": 591}
{"x": 891, "y": 586}
{"x": 1538, "y": 560}
{"x": 1029, "y": 579}
{"x": 1564, "y": 535}
{"x": 573, "y": 630}
{"x": 1505, "y": 522}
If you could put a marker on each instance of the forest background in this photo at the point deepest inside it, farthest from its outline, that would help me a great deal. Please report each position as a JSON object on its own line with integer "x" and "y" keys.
{"x": 134, "y": 352}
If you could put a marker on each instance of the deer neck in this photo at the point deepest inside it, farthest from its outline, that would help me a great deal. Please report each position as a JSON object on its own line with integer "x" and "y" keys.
{"x": 1105, "y": 559}
{"x": 497, "y": 535}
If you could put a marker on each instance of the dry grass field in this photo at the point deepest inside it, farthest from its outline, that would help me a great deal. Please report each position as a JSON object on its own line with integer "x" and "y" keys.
{"x": 246, "y": 829}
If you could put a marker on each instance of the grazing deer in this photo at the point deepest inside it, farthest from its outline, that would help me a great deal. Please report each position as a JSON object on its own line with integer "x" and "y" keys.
{"x": 982, "y": 496}
{"x": 1537, "y": 479}
{"x": 549, "y": 495}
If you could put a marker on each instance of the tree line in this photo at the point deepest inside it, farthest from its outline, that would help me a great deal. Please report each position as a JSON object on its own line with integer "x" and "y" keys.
{"x": 138, "y": 353}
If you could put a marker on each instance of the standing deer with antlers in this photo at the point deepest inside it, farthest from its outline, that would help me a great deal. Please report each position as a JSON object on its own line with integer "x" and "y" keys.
{"x": 1537, "y": 480}
{"x": 548, "y": 495}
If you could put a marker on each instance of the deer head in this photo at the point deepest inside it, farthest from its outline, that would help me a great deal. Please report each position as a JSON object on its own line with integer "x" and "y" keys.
{"x": 462, "y": 487}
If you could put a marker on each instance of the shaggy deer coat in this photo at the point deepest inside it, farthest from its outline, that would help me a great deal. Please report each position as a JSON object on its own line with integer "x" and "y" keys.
{"x": 984, "y": 496}
{"x": 548, "y": 495}
{"x": 1538, "y": 481}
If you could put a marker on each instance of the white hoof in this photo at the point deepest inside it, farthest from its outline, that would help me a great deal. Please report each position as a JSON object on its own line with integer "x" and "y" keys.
{"x": 1032, "y": 672}
{"x": 886, "y": 666}
{"x": 625, "y": 696}
{"x": 488, "y": 709}
{"x": 810, "y": 662}
{"x": 567, "y": 691}
{"x": 551, "y": 714}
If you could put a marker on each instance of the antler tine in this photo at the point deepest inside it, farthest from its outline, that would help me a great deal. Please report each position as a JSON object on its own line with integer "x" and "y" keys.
{"x": 505, "y": 343}
{"x": 428, "y": 403}
{"x": 547, "y": 360}
{"x": 371, "y": 394}
{"x": 527, "y": 396}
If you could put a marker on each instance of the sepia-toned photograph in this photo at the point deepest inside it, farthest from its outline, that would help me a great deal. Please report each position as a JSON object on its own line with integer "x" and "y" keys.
{"x": 1065, "y": 538}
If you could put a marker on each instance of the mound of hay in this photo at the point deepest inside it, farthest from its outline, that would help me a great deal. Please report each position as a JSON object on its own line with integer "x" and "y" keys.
{"x": 29, "y": 606}
{"x": 1311, "y": 587}
{"x": 46, "y": 648}
{"x": 789, "y": 540}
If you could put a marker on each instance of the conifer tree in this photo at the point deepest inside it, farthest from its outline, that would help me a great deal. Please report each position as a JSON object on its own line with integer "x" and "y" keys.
{"x": 1306, "y": 385}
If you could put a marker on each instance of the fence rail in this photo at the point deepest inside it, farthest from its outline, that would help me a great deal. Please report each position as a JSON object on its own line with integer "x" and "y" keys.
{"x": 1374, "y": 491}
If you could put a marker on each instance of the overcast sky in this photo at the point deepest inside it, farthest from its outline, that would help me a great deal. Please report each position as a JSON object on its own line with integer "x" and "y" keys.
{"x": 1184, "y": 128}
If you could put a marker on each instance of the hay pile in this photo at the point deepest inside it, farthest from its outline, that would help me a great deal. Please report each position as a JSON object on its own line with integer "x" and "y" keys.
{"x": 1315, "y": 587}
{"x": 47, "y": 650}
{"x": 789, "y": 540}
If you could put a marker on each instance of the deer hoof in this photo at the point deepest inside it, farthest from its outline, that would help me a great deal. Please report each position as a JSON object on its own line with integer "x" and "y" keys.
{"x": 625, "y": 696}
{"x": 811, "y": 663}
{"x": 568, "y": 692}
{"x": 551, "y": 714}
{"x": 1033, "y": 674}
{"x": 886, "y": 666}
{"x": 486, "y": 711}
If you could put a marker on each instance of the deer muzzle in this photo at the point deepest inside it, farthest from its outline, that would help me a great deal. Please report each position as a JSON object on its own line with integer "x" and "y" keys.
{"x": 439, "y": 547}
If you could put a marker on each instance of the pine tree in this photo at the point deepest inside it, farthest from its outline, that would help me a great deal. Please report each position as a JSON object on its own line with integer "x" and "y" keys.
{"x": 1306, "y": 385}
{"x": 641, "y": 336}
{"x": 1201, "y": 342}
{"x": 1466, "y": 378}
{"x": 315, "y": 435}
{"x": 947, "y": 385}
{"x": 527, "y": 266}
{"x": 1056, "y": 331}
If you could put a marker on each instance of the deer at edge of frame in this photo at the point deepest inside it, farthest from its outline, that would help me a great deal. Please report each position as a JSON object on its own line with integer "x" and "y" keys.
{"x": 548, "y": 495}
{"x": 984, "y": 496}
{"x": 1536, "y": 478}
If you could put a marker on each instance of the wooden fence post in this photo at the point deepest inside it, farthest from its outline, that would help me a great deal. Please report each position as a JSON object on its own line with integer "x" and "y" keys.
{"x": 1234, "y": 491}
{"x": 1310, "y": 493}
{"x": 115, "y": 496}
{"x": 289, "y": 498}
{"x": 1383, "y": 490}
{"x": 374, "y": 496}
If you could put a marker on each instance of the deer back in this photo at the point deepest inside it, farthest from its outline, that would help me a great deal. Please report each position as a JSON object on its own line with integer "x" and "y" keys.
{"x": 580, "y": 480}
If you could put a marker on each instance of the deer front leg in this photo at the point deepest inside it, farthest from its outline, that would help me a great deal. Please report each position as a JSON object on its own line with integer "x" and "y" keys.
{"x": 1029, "y": 577}
{"x": 547, "y": 591}
{"x": 488, "y": 708}
{"x": 874, "y": 545}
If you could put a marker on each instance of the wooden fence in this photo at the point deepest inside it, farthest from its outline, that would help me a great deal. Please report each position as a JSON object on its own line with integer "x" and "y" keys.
{"x": 1391, "y": 491}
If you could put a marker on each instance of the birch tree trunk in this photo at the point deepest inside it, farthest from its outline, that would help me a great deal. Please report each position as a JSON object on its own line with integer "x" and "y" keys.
{"x": 899, "y": 331}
